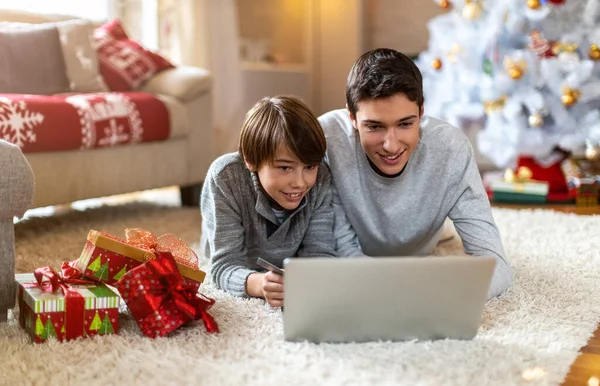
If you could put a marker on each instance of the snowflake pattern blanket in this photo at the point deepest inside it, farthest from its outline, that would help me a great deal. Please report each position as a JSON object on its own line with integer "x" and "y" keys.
{"x": 43, "y": 123}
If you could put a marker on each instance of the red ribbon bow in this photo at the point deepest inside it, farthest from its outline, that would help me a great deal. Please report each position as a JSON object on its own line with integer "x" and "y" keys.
{"x": 149, "y": 288}
{"x": 74, "y": 301}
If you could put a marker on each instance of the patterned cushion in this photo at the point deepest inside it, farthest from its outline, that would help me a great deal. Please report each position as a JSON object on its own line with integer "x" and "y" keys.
{"x": 124, "y": 63}
{"x": 80, "y": 56}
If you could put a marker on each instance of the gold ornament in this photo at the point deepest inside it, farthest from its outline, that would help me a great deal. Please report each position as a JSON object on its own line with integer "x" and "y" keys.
{"x": 437, "y": 64}
{"x": 594, "y": 52}
{"x": 570, "y": 96}
{"x": 491, "y": 106}
{"x": 515, "y": 68}
{"x": 534, "y": 4}
{"x": 560, "y": 47}
{"x": 515, "y": 73}
{"x": 523, "y": 174}
{"x": 536, "y": 119}
{"x": 444, "y": 4}
{"x": 472, "y": 10}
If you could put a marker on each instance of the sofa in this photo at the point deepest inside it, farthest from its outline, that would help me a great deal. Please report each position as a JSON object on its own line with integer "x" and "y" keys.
{"x": 16, "y": 194}
{"x": 179, "y": 155}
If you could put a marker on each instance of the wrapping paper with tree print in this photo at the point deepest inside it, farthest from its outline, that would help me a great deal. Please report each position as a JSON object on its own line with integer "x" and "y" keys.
{"x": 42, "y": 314}
{"x": 106, "y": 258}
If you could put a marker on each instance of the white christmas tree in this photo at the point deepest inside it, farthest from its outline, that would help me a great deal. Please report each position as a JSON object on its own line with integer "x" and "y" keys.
{"x": 527, "y": 70}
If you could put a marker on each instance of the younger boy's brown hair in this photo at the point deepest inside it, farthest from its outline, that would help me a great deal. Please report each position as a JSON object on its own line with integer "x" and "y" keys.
{"x": 281, "y": 120}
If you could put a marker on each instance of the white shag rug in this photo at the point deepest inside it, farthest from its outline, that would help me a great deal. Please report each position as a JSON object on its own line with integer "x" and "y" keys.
{"x": 529, "y": 336}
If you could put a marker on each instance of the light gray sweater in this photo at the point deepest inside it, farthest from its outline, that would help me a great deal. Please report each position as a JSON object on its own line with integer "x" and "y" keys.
{"x": 239, "y": 225}
{"x": 404, "y": 215}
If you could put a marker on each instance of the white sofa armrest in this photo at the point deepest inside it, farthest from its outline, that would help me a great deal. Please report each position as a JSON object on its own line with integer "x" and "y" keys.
{"x": 183, "y": 83}
{"x": 16, "y": 182}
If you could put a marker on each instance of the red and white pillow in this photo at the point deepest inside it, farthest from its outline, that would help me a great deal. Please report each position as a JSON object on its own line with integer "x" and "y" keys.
{"x": 124, "y": 63}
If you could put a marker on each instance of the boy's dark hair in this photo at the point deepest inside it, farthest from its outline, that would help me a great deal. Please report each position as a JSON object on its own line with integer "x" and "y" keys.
{"x": 381, "y": 73}
{"x": 286, "y": 120}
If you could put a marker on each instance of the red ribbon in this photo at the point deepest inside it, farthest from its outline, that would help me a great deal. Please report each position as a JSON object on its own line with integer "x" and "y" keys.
{"x": 171, "y": 287}
{"x": 74, "y": 301}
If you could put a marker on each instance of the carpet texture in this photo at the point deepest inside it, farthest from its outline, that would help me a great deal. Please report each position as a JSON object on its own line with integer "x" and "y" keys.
{"x": 529, "y": 336}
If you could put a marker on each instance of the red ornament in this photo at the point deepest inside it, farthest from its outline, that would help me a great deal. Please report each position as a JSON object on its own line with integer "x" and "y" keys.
{"x": 556, "y": 2}
{"x": 540, "y": 45}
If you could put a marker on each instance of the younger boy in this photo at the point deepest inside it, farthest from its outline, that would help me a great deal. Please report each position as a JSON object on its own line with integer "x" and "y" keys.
{"x": 271, "y": 199}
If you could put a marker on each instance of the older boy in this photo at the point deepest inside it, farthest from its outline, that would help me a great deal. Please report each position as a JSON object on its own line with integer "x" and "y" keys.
{"x": 270, "y": 199}
{"x": 398, "y": 175}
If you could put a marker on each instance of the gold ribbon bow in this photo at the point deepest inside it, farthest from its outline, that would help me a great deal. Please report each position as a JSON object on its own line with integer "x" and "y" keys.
{"x": 522, "y": 175}
{"x": 146, "y": 240}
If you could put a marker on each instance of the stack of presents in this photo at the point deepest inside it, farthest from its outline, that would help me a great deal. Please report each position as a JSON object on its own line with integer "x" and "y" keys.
{"x": 156, "y": 278}
{"x": 568, "y": 180}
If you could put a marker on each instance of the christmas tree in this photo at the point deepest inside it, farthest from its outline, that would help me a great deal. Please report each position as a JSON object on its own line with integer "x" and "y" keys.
{"x": 96, "y": 323}
{"x": 39, "y": 327}
{"x": 94, "y": 265}
{"x": 526, "y": 70}
{"x": 106, "y": 327}
{"x": 102, "y": 273}
{"x": 49, "y": 331}
{"x": 119, "y": 275}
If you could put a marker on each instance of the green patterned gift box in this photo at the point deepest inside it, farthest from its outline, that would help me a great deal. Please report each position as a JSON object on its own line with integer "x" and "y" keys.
{"x": 89, "y": 310}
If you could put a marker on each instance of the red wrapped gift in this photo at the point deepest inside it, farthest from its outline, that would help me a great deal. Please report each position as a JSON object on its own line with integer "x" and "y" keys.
{"x": 160, "y": 300}
{"x": 65, "y": 306}
{"x": 106, "y": 258}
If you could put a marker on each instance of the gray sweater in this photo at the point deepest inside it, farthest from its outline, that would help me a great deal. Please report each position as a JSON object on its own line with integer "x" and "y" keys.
{"x": 404, "y": 215}
{"x": 239, "y": 225}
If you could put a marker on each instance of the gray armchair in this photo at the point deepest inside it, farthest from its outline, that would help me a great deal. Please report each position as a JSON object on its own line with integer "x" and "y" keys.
{"x": 16, "y": 195}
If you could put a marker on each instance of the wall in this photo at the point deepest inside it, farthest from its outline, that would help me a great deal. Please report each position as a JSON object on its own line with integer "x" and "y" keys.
{"x": 282, "y": 22}
{"x": 399, "y": 24}
{"x": 338, "y": 42}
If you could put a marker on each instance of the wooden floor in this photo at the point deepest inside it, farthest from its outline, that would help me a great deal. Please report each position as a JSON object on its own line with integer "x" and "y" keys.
{"x": 587, "y": 365}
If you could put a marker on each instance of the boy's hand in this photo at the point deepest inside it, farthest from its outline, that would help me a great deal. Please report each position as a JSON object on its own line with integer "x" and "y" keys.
{"x": 268, "y": 285}
{"x": 272, "y": 286}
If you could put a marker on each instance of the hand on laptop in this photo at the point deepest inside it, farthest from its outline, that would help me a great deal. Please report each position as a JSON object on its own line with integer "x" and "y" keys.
{"x": 268, "y": 285}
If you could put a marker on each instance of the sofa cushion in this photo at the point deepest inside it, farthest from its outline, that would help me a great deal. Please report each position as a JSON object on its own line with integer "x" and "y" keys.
{"x": 80, "y": 56}
{"x": 183, "y": 83}
{"x": 79, "y": 53}
{"x": 178, "y": 116}
{"x": 41, "y": 123}
{"x": 124, "y": 63}
{"x": 31, "y": 60}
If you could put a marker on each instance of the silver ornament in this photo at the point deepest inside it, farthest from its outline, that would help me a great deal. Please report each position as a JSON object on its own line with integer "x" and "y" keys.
{"x": 536, "y": 119}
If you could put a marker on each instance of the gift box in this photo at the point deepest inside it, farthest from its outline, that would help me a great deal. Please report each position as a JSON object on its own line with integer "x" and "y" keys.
{"x": 519, "y": 188}
{"x": 583, "y": 180}
{"x": 62, "y": 310}
{"x": 160, "y": 300}
{"x": 107, "y": 258}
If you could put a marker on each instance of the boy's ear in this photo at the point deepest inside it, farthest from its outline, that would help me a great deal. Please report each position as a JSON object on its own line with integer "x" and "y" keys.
{"x": 249, "y": 166}
{"x": 352, "y": 118}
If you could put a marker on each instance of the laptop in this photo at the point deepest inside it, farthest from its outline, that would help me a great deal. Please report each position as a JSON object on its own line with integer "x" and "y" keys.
{"x": 385, "y": 298}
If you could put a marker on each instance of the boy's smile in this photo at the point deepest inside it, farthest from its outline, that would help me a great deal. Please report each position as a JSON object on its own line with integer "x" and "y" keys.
{"x": 286, "y": 180}
{"x": 389, "y": 131}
